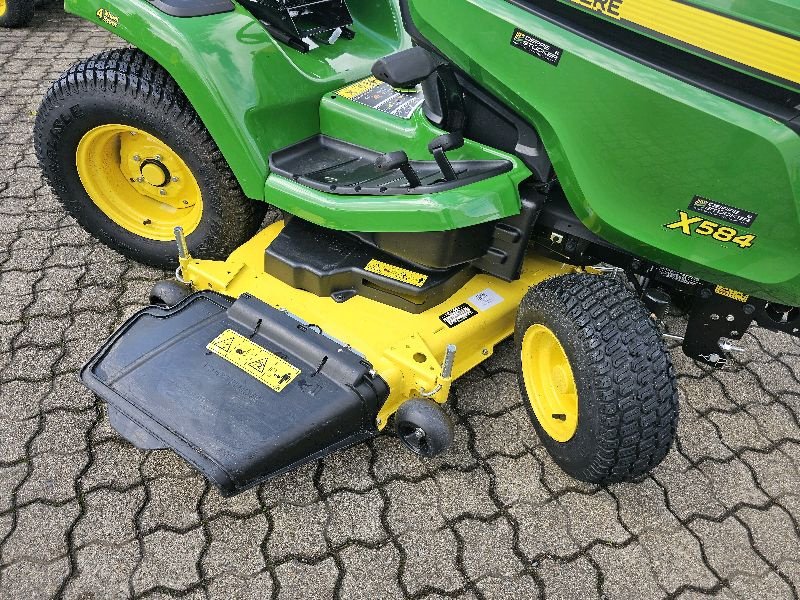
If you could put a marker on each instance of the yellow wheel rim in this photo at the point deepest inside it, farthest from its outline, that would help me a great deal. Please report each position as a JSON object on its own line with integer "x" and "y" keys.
{"x": 2, "y": 7}
{"x": 138, "y": 181}
{"x": 549, "y": 383}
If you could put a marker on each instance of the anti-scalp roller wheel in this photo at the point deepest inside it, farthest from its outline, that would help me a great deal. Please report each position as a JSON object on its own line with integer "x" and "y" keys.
{"x": 424, "y": 427}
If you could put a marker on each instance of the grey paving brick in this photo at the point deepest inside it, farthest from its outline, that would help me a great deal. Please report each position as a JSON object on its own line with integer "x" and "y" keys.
{"x": 543, "y": 530}
{"x": 488, "y": 548}
{"x": 169, "y": 559}
{"x": 24, "y": 579}
{"x": 593, "y": 517}
{"x": 676, "y": 559}
{"x": 347, "y": 470}
{"x": 501, "y": 588}
{"x": 115, "y": 464}
{"x": 626, "y": 573}
{"x": 297, "y": 531}
{"x": 774, "y": 533}
{"x": 235, "y": 546}
{"x": 103, "y": 571}
{"x": 231, "y": 587}
{"x": 727, "y": 548}
{"x": 371, "y": 574}
{"x": 52, "y": 477}
{"x": 431, "y": 561}
{"x": 566, "y": 581}
{"x": 41, "y": 533}
{"x": 518, "y": 479}
{"x": 464, "y": 493}
{"x": 172, "y": 502}
{"x": 109, "y": 517}
{"x": 411, "y": 507}
{"x": 355, "y": 517}
{"x": 299, "y": 581}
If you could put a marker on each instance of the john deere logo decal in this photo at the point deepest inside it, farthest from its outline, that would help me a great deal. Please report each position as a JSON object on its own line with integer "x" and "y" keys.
{"x": 607, "y": 7}
{"x": 107, "y": 17}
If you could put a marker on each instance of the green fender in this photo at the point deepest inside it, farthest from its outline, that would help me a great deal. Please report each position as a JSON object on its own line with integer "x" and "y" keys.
{"x": 253, "y": 94}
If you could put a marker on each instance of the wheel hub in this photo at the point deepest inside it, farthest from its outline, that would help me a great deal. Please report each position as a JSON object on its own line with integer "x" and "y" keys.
{"x": 155, "y": 173}
{"x": 138, "y": 181}
{"x": 549, "y": 383}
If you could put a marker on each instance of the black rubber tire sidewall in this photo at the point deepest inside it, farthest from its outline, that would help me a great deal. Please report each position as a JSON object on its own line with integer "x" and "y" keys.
{"x": 575, "y": 455}
{"x": 19, "y": 13}
{"x": 60, "y": 125}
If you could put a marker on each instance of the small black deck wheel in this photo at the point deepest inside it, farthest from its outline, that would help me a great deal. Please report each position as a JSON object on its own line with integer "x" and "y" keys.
{"x": 595, "y": 377}
{"x": 15, "y": 13}
{"x": 169, "y": 292}
{"x": 130, "y": 160}
{"x": 424, "y": 427}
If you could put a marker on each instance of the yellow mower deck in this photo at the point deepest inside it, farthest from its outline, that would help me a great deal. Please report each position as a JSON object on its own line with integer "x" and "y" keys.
{"x": 405, "y": 349}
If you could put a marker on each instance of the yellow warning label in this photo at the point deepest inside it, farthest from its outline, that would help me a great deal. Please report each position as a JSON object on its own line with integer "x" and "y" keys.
{"x": 268, "y": 368}
{"x": 732, "y": 294}
{"x": 359, "y": 87}
{"x": 396, "y": 273}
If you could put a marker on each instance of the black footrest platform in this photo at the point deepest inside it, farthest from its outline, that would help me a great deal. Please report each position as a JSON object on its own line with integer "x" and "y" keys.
{"x": 239, "y": 389}
{"x": 330, "y": 165}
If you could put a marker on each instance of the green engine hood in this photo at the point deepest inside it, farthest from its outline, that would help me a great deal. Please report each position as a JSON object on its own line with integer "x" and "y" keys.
{"x": 758, "y": 37}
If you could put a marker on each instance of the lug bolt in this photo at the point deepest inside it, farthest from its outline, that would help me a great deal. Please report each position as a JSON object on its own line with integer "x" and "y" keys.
{"x": 175, "y": 180}
{"x": 133, "y": 133}
{"x": 137, "y": 158}
{"x": 140, "y": 179}
{"x": 715, "y": 317}
{"x": 157, "y": 157}
{"x": 163, "y": 192}
{"x": 186, "y": 202}
{"x": 730, "y": 318}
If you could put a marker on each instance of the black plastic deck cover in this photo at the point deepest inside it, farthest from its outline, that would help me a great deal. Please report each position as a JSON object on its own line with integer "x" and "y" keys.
{"x": 164, "y": 388}
{"x": 333, "y": 263}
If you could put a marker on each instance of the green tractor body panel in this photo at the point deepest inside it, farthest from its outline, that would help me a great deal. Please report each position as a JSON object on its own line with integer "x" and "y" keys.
{"x": 253, "y": 94}
{"x": 650, "y": 162}
{"x": 467, "y": 205}
{"x": 758, "y": 37}
{"x": 634, "y": 148}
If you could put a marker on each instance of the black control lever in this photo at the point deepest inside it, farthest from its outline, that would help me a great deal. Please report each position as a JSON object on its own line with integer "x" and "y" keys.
{"x": 398, "y": 160}
{"x": 439, "y": 146}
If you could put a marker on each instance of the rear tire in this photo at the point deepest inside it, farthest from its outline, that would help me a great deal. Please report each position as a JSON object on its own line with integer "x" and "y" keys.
{"x": 627, "y": 397}
{"x": 126, "y": 91}
{"x": 17, "y": 13}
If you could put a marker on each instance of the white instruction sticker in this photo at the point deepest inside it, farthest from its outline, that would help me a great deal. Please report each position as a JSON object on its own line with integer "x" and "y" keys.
{"x": 486, "y": 299}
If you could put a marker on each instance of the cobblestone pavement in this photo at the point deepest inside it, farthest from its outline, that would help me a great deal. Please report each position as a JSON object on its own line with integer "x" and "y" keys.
{"x": 83, "y": 514}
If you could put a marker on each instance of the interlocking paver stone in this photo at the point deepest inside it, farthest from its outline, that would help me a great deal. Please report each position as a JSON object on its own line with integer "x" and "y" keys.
{"x": 299, "y": 581}
{"x": 83, "y": 514}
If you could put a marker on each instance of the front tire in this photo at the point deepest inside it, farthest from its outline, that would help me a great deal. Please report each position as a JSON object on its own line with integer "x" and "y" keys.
{"x": 16, "y": 13}
{"x": 130, "y": 160}
{"x": 595, "y": 377}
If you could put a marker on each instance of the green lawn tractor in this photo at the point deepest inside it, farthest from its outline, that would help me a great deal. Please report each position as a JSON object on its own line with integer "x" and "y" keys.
{"x": 450, "y": 173}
